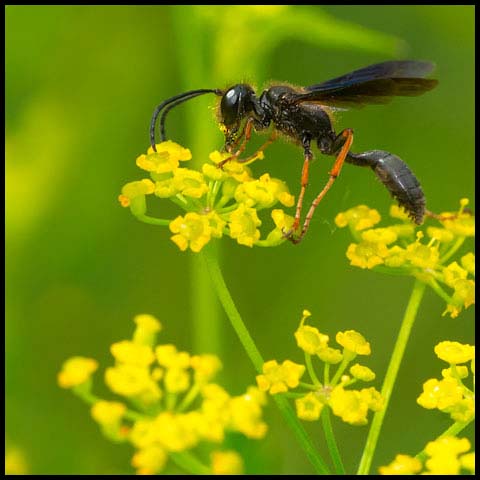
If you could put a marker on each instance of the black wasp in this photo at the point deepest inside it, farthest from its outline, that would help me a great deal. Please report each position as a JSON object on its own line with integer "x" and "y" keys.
{"x": 304, "y": 115}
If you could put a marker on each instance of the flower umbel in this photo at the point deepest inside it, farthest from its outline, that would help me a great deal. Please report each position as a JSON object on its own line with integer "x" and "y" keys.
{"x": 451, "y": 394}
{"x": 444, "y": 456}
{"x": 177, "y": 405}
{"x": 351, "y": 405}
{"x": 398, "y": 250}
{"x": 215, "y": 202}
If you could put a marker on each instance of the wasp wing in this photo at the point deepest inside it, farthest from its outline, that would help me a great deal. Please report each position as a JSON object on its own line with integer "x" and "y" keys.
{"x": 375, "y": 84}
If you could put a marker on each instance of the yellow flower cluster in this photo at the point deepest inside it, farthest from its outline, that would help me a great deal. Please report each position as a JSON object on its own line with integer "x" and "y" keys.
{"x": 350, "y": 405}
{"x": 399, "y": 249}
{"x": 177, "y": 405}
{"x": 444, "y": 456}
{"x": 219, "y": 200}
{"x": 450, "y": 394}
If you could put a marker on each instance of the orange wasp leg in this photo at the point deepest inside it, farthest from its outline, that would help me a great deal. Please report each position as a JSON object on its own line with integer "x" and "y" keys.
{"x": 246, "y": 134}
{"x": 260, "y": 149}
{"x": 334, "y": 173}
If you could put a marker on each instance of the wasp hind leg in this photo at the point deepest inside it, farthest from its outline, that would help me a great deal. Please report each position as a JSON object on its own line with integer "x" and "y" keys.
{"x": 341, "y": 144}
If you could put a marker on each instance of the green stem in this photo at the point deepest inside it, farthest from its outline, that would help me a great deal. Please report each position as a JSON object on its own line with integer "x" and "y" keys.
{"x": 153, "y": 220}
{"x": 311, "y": 371}
{"x": 454, "y": 248}
{"x": 91, "y": 399}
{"x": 391, "y": 375}
{"x": 440, "y": 291}
{"x": 341, "y": 368}
{"x": 190, "y": 463}
{"x": 210, "y": 258}
{"x": 189, "y": 398}
{"x": 453, "y": 430}
{"x": 331, "y": 442}
{"x": 326, "y": 374}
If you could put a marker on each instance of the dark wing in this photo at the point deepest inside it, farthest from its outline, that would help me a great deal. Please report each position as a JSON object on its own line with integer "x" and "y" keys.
{"x": 375, "y": 84}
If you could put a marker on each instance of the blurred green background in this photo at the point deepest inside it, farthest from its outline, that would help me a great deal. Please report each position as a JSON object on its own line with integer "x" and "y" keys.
{"x": 81, "y": 85}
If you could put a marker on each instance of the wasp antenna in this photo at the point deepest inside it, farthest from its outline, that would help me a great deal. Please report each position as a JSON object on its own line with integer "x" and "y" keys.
{"x": 168, "y": 105}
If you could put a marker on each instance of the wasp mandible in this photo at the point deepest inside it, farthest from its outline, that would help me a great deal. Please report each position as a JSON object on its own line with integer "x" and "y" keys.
{"x": 304, "y": 116}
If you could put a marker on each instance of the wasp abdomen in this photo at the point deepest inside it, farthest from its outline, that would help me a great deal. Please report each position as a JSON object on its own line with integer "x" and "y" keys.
{"x": 399, "y": 180}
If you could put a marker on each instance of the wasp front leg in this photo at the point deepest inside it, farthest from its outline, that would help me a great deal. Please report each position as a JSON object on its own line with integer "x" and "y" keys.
{"x": 245, "y": 135}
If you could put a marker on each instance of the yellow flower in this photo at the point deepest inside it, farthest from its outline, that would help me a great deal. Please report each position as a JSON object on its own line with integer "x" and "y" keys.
{"x": 168, "y": 356}
{"x": 441, "y": 394}
{"x": 132, "y": 353}
{"x": 176, "y": 380}
{"x": 422, "y": 256}
{"x": 165, "y": 159}
{"x": 165, "y": 188}
{"x": 192, "y": 230}
{"x": 399, "y": 212}
{"x": 330, "y": 355}
{"x": 205, "y": 367}
{"x": 239, "y": 171}
{"x": 281, "y": 220}
{"x": 108, "y": 413}
{"x": 243, "y": 225}
{"x": 150, "y": 460}
{"x": 76, "y": 371}
{"x": 443, "y": 455}
{"x": 147, "y": 327}
{"x": 452, "y": 273}
{"x": 454, "y": 352}
{"x": 283, "y": 223}
{"x": 468, "y": 263}
{"x": 213, "y": 173}
{"x": 353, "y": 341}
{"x": 463, "y": 296}
{"x": 464, "y": 292}
{"x": 373, "y": 397}
{"x": 279, "y": 378}
{"x": 142, "y": 433}
{"x": 310, "y": 340}
{"x": 15, "y": 462}
{"x": 441, "y": 234}
{"x": 462, "y": 225}
{"x": 132, "y": 190}
{"x": 379, "y": 235}
{"x": 455, "y": 371}
{"x": 403, "y": 230}
{"x": 396, "y": 257}
{"x": 175, "y": 432}
{"x": 361, "y": 372}
{"x": 463, "y": 410}
{"x": 350, "y": 405}
{"x": 226, "y": 462}
{"x": 245, "y": 416}
{"x": 367, "y": 254}
{"x": 264, "y": 193}
{"x": 132, "y": 381}
{"x": 189, "y": 182}
{"x": 402, "y": 465}
{"x": 359, "y": 218}
{"x": 217, "y": 224}
{"x": 467, "y": 461}
{"x": 309, "y": 407}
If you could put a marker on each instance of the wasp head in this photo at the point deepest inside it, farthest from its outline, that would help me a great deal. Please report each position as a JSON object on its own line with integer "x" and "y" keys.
{"x": 237, "y": 103}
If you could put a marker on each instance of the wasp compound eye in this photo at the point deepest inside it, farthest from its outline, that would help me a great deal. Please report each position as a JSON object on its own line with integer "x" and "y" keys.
{"x": 236, "y": 103}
